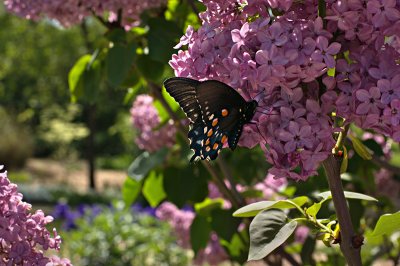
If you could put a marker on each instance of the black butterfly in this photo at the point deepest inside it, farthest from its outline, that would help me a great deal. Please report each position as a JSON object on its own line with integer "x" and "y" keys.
{"x": 217, "y": 114}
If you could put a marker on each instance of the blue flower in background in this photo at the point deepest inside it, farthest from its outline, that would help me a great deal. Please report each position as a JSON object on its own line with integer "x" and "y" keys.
{"x": 64, "y": 212}
{"x": 145, "y": 210}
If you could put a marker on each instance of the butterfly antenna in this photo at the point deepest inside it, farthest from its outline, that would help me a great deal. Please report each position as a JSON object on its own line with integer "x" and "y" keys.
{"x": 258, "y": 94}
{"x": 259, "y": 131}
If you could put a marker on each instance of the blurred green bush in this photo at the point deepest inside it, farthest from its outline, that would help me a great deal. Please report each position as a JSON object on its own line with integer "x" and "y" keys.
{"x": 58, "y": 130}
{"x": 16, "y": 144}
{"x": 119, "y": 236}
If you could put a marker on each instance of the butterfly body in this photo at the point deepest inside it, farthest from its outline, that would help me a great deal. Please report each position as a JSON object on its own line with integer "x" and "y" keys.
{"x": 217, "y": 114}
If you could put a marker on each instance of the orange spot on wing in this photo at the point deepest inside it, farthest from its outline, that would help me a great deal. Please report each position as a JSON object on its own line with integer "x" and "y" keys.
{"x": 224, "y": 112}
{"x": 224, "y": 139}
{"x": 215, "y": 122}
{"x": 207, "y": 142}
{"x": 215, "y": 146}
{"x": 210, "y": 132}
{"x": 208, "y": 148}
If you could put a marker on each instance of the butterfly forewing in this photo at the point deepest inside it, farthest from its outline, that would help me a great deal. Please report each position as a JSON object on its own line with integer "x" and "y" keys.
{"x": 183, "y": 90}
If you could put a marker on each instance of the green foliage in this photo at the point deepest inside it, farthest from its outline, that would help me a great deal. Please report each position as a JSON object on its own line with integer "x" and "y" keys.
{"x": 185, "y": 185}
{"x": 224, "y": 224}
{"x": 16, "y": 144}
{"x": 118, "y": 61}
{"x": 119, "y": 237}
{"x": 162, "y": 37}
{"x": 200, "y": 231}
{"x": 269, "y": 230}
{"x": 153, "y": 189}
{"x": 58, "y": 131}
{"x": 254, "y": 208}
{"x": 360, "y": 148}
{"x": 386, "y": 225}
{"x": 142, "y": 165}
{"x": 130, "y": 190}
{"x": 84, "y": 79}
{"x": 271, "y": 227}
{"x": 348, "y": 195}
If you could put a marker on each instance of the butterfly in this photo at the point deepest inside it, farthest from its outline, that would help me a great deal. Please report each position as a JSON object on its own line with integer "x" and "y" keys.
{"x": 216, "y": 111}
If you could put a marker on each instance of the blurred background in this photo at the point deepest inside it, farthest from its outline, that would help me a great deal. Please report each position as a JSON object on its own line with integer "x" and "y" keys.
{"x": 74, "y": 102}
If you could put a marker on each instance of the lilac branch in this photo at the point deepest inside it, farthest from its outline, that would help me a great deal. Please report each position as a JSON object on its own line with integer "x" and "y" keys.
{"x": 347, "y": 234}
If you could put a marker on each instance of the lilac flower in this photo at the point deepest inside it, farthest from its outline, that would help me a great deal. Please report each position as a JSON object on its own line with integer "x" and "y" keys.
{"x": 296, "y": 137}
{"x": 271, "y": 62}
{"x": 181, "y": 220}
{"x": 326, "y": 51}
{"x": 286, "y": 55}
{"x": 274, "y": 36}
{"x": 301, "y": 234}
{"x": 370, "y": 101}
{"x": 24, "y": 234}
{"x": 346, "y": 20}
{"x": 145, "y": 118}
{"x": 392, "y": 113}
{"x": 70, "y": 12}
{"x": 390, "y": 89}
{"x": 383, "y": 12}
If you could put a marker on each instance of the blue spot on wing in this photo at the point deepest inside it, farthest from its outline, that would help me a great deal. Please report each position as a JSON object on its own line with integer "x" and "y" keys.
{"x": 205, "y": 147}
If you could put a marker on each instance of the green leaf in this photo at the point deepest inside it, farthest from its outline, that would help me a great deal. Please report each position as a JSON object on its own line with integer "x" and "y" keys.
{"x": 268, "y": 230}
{"x": 116, "y": 35}
{"x": 254, "y": 208}
{"x": 205, "y": 207}
{"x": 360, "y": 148}
{"x": 150, "y": 69}
{"x": 145, "y": 162}
{"x": 307, "y": 251}
{"x": 184, "y": 185}
{"x": 75, "y": 76}
{"x": 345, "y": 161}
{"x": 200, "y": 231}
{"x": 314, "y": 209}
{"x": 348, "y": 195}
{"x": 153, "y": 189}
{"x": 119, "y": 60}
{"x": 162, "y": 37}
{"x": 84, "y": 79}
{"x": 162, "y": 112}
{"x": 224, "y": 224}
{"x": 130, "y": 190}
{"x": 237, "y": 247}
{"x": 386, "y": 225}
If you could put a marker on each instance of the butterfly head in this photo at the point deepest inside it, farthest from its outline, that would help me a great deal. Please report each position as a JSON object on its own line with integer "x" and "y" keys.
{"x": 250, "y": 110}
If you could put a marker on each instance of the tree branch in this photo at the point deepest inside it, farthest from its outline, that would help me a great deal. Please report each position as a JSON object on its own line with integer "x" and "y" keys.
{"x": 332, "y": 170}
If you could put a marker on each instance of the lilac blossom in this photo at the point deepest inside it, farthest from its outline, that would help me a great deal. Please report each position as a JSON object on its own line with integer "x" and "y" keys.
{"x": 145, "y": 118}
{"x": 24, "y": 235}
{"x": 181, "y": 220}
{"x": 286, "y": 55}
{"x": 71, "y": 12}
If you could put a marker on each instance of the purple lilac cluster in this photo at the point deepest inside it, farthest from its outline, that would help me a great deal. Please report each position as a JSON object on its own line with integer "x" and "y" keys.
{"x": 23, "y": 235}
{"x": 279, "y": 52}
{"x": 146, "y": 119}
{"x": 181, "y": 220}
{"x": 70, "y": 12}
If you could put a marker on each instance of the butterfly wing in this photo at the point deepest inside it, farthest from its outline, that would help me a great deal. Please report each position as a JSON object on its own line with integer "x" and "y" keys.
{"x": 216, "y": 111}
{"x": 183, "y": 90}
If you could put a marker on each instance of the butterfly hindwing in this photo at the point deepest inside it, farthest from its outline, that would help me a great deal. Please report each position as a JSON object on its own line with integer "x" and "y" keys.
{"x": 207, "y": 139}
